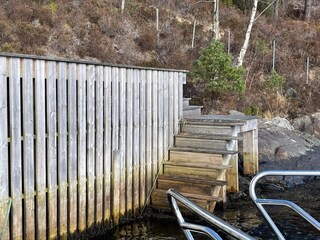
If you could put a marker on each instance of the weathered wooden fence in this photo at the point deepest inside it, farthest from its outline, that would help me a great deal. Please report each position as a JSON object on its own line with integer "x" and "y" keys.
{"x": 80, "y": 142}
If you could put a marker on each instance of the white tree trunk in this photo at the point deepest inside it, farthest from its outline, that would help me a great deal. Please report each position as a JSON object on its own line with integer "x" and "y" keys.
{"x": 248, "y": 33}
{"x": 215, "y": 20}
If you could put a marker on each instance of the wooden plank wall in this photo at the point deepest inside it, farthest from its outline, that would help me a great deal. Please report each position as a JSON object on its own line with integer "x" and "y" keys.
{"x": 80, "y": 143}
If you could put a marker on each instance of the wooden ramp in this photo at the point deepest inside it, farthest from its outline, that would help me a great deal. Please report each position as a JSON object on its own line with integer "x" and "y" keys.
{"x": 203, "y": 162}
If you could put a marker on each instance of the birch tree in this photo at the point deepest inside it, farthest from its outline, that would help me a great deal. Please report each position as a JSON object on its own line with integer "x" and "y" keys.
{"x": 248, "y": 34}
{"x": 215, "y": 20}
{"x": 307, "y": 9}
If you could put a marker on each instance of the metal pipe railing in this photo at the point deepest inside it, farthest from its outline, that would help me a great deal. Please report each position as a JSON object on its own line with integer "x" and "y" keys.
{"x": 174, "y": 196}
{"x": 279, "y": 202}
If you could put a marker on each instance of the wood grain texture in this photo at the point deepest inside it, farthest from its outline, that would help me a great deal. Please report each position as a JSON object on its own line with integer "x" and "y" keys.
{"x": 4, "y": 148}
{"x": 40, "y": 132}
{"x": 72, "y": 148}
{"x": 51, "y": 95}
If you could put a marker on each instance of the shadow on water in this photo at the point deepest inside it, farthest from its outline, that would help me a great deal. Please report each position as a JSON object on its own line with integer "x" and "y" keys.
{"x": 243, "y": 214}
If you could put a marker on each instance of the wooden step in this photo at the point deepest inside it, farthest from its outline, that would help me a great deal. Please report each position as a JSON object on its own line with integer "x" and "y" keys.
{"x": 206, "y": 158}
{"x": 205, "y": 129}
{"x": 196, "y": 165}
{"x": 203, "y": 150}
{"x": 186, "y": 102}
{"x": 208, "y": 136}
{"x": 190, "y": 111}
{"x": 214, "y": 119}
{"x": 188, "y": 185}
{"x": 159, "y": 198}
{"x": 194, "y": 170}
{"x": 181, "y": 141}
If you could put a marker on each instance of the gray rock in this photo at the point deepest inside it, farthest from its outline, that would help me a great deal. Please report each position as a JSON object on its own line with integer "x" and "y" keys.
{"x": 280, "y": 122}
{"x": 316, "y": 123}
{"x": 303, "y": 124}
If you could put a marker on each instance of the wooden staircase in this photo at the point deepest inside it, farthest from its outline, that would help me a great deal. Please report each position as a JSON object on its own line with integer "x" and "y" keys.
{"x": 203, "y": 162}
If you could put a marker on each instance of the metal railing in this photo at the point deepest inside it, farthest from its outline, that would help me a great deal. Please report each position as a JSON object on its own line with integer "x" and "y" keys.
{"x": 188, "y": 228}
{"x": 279, "y": 202}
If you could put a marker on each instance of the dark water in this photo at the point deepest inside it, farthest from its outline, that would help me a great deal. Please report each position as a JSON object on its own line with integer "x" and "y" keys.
{"x": 242, "y": 214}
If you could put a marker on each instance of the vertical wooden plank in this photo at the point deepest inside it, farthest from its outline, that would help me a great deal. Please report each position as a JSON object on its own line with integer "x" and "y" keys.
{"x": 72, "y": 147}
{"x": 99, "y": 144}
{"x": 250, "y": 152}
{"x": 128, "y": 109}
{"x": 115, "y": 142}
{"x": 90, "y": 143}
{"x": 165, "y": 115}
{"x": 51, "y": 90}
{"x": 180, "y": 100}
{"x": 116, "y": 178}
{"x": 115, "y": 108}
{"x": 28, "y": 147}
{"x": 176, "y": 102}
{"x": 142, "y": 138}
{"x": 171, "y": 109}
{"x": 136, "y": 142}
{"x": 149, "y": 130}
{"x": 15, "y": 148}
{"x": 62, "y": 148}
{"x": 160, "y": 120}
{"x": 155, "y": 120}
{"x": 40, "y": 127}
{"x": 82, "y": 153}
{"x": 107, "y": 141}
{"x": 4, "y": 155}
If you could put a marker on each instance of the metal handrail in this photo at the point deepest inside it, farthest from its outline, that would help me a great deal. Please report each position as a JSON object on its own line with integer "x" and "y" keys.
{"x": 279, "y": 202}
{"x": 188, "y": 228}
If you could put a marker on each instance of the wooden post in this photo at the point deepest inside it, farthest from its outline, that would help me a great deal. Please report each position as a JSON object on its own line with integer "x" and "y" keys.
{"x": 28, "y": 147}
{"x": 82, "y": 145}
{"x": 157, "y": 23}
{"x": 107, "y": 142}
{"x": 229, "y": 41}
{"x": 136, "y": 140}
{"x": 308, "y": 70}
{"x": 250, "y": 152}
{"x": 273, "y": 54}
{"x": 171, "y": 109}
{"x": 15, "y": 147}
{"x": 193, "y": 33}
{"x": 90, "y": 144}
{"x": 176, "y": 102}
{"x": 116, "y": 178}
{"x": 129, "y": 146}
{"x": 125, "y": 132}
{"x": 52, "y": 148}
{"x": 72, "y": 148}
{"x": 99, "y": 144}
{"x": 40, "y": 132}
{"x": 4, "y": 154}
{"x": 232, "y": 173}
{"x": 154, "y": 124}
{"x": 122, "y": 6}
{"x": 62, "y": 148}
{"x": 149, "y": 129}
{"x": 142, "y": 139}
{"x": 165, "y": 115}
{"x": 160, "y": 120}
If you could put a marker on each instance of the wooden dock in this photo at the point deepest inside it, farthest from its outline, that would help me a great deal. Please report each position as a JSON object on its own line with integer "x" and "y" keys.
{"x": 203, "y": 162}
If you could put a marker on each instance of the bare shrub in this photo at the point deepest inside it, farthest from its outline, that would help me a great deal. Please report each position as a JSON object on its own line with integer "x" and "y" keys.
{"x": 147, "y": 41}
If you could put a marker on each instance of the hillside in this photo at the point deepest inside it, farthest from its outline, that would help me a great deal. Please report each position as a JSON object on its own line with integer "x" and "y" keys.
{"x": 99, "y": 30}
